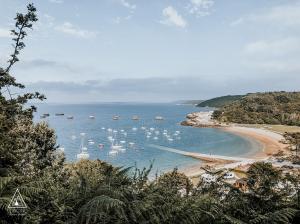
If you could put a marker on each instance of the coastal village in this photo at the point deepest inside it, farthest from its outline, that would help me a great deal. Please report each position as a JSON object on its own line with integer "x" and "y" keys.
{"x": 275, "y": 150}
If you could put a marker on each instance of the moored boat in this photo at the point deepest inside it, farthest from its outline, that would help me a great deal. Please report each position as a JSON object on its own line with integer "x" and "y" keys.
{"x": 159, "y": 118}
{"x": 116, "y": 117}
{"x": 83, "y": 152}
{"x": 135, "y": 118}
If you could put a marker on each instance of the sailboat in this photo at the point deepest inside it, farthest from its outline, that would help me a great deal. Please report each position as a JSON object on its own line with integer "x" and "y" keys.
{"x": 83, "y": 154}
{"x": 115, "y": 146}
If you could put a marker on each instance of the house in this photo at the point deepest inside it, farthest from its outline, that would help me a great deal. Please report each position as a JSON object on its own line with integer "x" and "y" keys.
{"x": 241, "y": 184}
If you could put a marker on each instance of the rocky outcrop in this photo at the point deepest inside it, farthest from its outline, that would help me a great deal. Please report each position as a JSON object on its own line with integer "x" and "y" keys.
{"x": 200, "y": 119}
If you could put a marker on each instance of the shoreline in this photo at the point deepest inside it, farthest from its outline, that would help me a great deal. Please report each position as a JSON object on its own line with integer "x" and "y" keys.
{"x": 270, "y": 141}
{"x": 270, "y": 144}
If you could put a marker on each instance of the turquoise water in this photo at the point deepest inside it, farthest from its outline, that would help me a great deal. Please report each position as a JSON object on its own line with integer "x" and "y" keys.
{"x": 204, "y": 140}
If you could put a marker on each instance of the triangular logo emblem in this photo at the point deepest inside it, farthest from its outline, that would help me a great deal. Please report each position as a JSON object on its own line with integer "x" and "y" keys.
{"x": 17, "y": 201}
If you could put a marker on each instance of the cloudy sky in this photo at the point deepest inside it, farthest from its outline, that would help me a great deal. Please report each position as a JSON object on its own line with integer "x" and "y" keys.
{"x": 156, "y": 51}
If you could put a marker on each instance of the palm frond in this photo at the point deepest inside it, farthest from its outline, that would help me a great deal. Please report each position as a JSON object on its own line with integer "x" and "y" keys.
{"x": 99, "y": 205}
{"x": 281, "y": 216}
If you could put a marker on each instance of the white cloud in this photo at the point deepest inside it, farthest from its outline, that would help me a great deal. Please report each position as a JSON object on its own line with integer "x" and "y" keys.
{"x": 56, "y": 1}
{"x": 69, "y": 28}
{"x": 237, "y": 21}
{"x": 283, "y": 15}
{"x": 118, "y": 19}
{"x": 274, "y": 56}
{"x": 127, "y": 4}
{"x": 273, "y": 48}
{"x": 287, "y": 15}
{"x": 173, "y": 18}
{"x": 200, "y": 7}
{"x": 274, "y": 66}
{"x": 49, "y": 20}
{"x": 4, "y": 33}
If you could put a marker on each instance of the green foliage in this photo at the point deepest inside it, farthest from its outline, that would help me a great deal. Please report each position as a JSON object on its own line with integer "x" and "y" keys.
{"x": 220, "y": 101}
{"x": 263, "y": 108}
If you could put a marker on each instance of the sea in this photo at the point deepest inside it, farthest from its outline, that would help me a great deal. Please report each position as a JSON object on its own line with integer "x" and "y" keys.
{"x": 140, "y": 139}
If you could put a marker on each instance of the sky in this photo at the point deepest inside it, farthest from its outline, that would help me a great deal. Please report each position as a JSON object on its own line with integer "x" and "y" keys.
{"x": 155, "y": 51}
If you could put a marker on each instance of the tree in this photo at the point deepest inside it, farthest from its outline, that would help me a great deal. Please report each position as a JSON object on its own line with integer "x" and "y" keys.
{"x": 12, "y": 111}
{"x": 293, "y": 139}
{"x": 27, "y": 150}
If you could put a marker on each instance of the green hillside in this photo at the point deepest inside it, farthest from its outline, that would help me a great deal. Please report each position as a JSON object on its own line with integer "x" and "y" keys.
{"x": 263, "y": 108}
{"x": 220, "y": 101}
{"x": 189, "y": 102}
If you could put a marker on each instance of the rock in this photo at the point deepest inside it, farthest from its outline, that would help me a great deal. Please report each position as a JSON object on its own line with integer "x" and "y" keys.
{"x": 191, "y": 116}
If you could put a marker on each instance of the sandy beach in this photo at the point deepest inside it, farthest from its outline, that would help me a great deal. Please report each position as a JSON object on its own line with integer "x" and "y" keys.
{"x": 270, "y": 141}
{"x": 270, "y": 144}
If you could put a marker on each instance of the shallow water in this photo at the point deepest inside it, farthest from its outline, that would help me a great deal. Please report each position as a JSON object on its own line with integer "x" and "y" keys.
{"x": 203, "y": 140}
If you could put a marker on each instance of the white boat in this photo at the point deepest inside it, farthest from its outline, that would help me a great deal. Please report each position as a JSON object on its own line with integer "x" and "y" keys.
{"x": 135, "y": 117}
{"x": 159, "y": 118}
{"x": 131, "y": 144}
{"x": 110, "y": 138}
{"x": 115, "y": 147}
{"x": 73, "y": 137}
{"x": 91, "y": 117}
{"x": 122, "y": 142}
{"x": 103, "y": 128}
{"x": 155, "y": 138}
{"x": 134, "y": 129}
{"x": 113, "y": 152}
{"x": 83, "y": 152}
{"x": 151, "y": 129}
{"x": 116, "y": 117}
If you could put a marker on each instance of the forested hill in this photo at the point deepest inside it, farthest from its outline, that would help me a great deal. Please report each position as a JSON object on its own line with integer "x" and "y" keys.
{"x": 188, "y": 102}
{"x": 220, "y": 101}
{"x": 263, "y": 108}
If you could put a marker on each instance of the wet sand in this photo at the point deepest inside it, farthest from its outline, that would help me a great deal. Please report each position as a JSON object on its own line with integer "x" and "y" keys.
{"x": 269, "y": 145}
